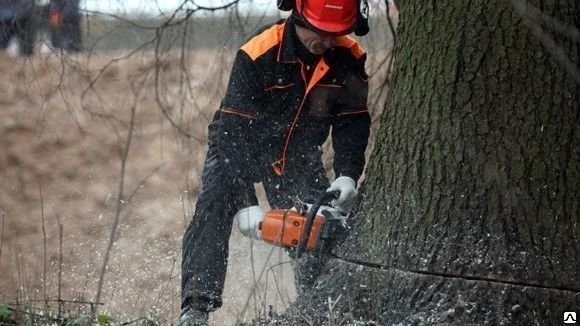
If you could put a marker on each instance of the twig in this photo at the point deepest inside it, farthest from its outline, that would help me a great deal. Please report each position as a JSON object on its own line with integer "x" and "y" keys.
{"x": 142, "y": 182}
{"x": 550, "y": 45}
{"x": 2, "y": 234}
{"x": 263, "y": 271}
{"x": 93, "y": 81}
{"x": 120, "y": 202}
{"x": 185, "y": 215}
{"x": 226, "y": 6}
{"x": 331, "y": 306}
{"x": 120, "y": 199}
{"x": 164, "y": 111}
{"x": 61, "y": 300}
{"x": 135, "y": 321}
{"x": 59, "y": 297}
{"x": 307, "y": 319}
{"x": 44, "y": 243}
{"x": 284, "y": 296}
{"x": 168, "y": 283}
{"x": 535, "y": 14}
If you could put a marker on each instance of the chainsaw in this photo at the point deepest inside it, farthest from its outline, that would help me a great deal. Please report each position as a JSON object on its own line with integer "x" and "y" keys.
{"x": 303, "y": 228}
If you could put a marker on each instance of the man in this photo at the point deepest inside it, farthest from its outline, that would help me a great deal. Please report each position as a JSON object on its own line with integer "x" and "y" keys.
{"x": 16, "y": 21}
{"x": 290, "y": 85}
{"x": 65, "y": 25}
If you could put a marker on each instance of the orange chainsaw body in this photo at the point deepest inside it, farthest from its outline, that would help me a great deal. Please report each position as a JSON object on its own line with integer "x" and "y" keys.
{"x": 284, "y": 228}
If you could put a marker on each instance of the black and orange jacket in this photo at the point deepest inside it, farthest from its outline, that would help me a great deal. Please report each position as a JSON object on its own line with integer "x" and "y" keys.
{"x": 279, "y": 108}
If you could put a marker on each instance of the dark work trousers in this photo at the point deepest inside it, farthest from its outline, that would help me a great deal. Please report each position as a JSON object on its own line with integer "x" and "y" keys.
{"x": 21, "y": 29}
{"x": 205, "y": 243}
{"x": 67, "y": 36}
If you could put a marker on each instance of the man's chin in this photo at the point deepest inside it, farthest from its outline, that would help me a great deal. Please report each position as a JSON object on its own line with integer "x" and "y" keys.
{"x": 318, "y": 51}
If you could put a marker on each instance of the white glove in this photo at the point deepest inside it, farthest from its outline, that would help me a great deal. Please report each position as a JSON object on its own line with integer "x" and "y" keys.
{"x": 249, "y": 219}
{"x": 347, "y": 188}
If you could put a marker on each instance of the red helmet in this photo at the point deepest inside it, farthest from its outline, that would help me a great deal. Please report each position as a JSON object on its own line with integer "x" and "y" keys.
{"x": 330, "y": 16}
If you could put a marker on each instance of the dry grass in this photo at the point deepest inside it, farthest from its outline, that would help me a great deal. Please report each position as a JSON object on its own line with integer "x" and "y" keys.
{"x": 62, "y": 132}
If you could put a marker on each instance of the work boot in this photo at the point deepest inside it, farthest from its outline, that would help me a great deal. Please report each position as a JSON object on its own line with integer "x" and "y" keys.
{"x": 193, "y": 317}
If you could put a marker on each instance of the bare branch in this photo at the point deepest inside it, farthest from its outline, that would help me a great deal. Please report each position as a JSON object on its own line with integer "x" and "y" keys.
{"x": 226, "y": 6}
{"x": 535, "y": 14}
{"x": 158, "y": 95}
{"x": 3, "y": 216}
{"x": 44, "y": 258}
{"x": 119, "y": 207}
{"x": 60, "y": 241}
{"x": 556, "y": 51}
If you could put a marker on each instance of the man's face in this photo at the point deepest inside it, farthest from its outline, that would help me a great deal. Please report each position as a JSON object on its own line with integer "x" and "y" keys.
{"x": 315, "y": 43}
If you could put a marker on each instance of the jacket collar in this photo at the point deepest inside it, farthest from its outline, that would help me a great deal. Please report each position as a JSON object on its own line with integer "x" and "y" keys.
{"x": 286, "y": 51}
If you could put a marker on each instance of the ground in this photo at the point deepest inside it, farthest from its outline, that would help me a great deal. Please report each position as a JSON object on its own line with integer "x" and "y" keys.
{"x": 63, "y": 129}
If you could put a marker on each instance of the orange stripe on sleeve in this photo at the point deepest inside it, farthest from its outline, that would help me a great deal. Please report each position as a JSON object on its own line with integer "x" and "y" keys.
{"x": 245, "y": 115}
{"x": 279, "y": 87}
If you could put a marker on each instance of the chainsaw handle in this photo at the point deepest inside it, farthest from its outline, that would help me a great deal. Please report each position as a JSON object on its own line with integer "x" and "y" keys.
{"x": 305, "y": 235}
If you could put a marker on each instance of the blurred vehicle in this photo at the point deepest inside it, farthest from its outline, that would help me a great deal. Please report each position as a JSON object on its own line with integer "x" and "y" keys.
{"x": 64, "y": 25}
{"x": 17, "y": 22}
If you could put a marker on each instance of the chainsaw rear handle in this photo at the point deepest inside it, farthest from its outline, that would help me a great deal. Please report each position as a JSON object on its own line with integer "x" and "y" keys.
{"x": 305, "y": 235}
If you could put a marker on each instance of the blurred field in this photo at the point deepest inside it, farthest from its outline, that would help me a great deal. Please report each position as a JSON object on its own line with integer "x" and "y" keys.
{"x": 105, "y": 34}
{"x": 65, "y": 146}
{"x": 64, "y": 126}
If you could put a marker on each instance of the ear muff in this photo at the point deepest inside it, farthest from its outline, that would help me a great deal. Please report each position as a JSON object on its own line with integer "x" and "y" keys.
{"x": 362, "y": 19}
{"x": 285, "y": 5}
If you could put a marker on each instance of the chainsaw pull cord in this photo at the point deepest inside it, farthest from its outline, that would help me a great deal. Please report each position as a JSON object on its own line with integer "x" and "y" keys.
{"x": 305, "y": 235}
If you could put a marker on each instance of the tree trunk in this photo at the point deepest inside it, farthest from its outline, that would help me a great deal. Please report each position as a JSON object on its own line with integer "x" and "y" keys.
{"x": 470, "y": 206}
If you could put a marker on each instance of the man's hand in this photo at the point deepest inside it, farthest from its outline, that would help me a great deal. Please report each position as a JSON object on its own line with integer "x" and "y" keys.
{"x": 347, "y": 188}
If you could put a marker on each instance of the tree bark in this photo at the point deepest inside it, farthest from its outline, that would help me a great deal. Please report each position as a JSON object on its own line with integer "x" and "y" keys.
{"x": 470, "y": 205}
